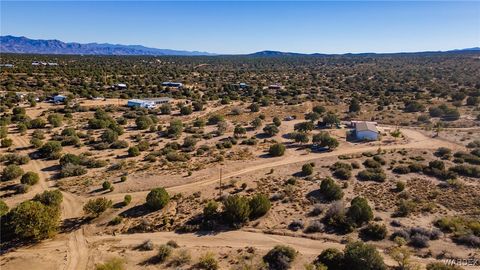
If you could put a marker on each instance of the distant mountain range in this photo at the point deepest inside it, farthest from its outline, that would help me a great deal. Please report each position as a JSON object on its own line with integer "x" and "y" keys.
{"x": 12, "y": 44}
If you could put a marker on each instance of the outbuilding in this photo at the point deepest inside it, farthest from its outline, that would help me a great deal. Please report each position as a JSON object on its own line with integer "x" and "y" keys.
{"x": 59, "y": 99}
{"x": 366, "y": 131}
{"x": 172, "y": 84}
{"x": 141, "y": 103}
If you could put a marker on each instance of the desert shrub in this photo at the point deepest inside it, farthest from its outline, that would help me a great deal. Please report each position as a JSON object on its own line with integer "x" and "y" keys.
{"x": 133, "y": 151}
{"x": 127, "y": 199}
{"x": 361, "y": 256}
{"x": 146, "y": 245}
{"x": 468, "y": 240}
{"x": 280, "y": 257}
{"x": 106, "y": 185}
{"x": 207, "y": 262}
{"x": 181, "y": 258}
{"x": 277, "y": 150}
{"x": 3, "y": 208}
{"x": 466, "y": 170}
{"x": 50, "y": 198}
{"x": 371, "y": 163}
{"x": 316, "y": 210}
{"x": 164, "y": 251}
{"x": 359, "y": 211}
{"x": 336, "y": 217}
{"x": 95, "y": 207}
{"x": 14, "y": 159}
{"x": 210, "y": 210}
{"x": 259, "y": 205}
{"x": 6, "y": 142}
{"x": 330, "y": 190}
{"x": 115, "y": 221}
{"x": 400, "y": 186}
{"x": 30, "y": 178}
{"x": 307, "y": 169}
{"x": 32, "y": 219}
{"x": 174, "y": 156}
{"x": 401, "y": 169}
{"x": 72, "y": 170}
{"x": 236, "y": 209}
{"x": 375, "y": 231}
{"x": 50, "y": 150}
{"x": 342, "y": 173}
{"x": 415, "y": 167}
{"x": 112, "y": 264}
{"x": 332, "y": 258}
{"x": 459, "y": 225}
{"x": 11, "y": 172}
{"x": 405, "y": 207}
{"x": 314, "y": 226}
{"x": 419, "y": 241}
{"x": 143, "y": 122}
{"x": 443, "y": 152}
{"x": 70, "y": 158}
{"x": 377, "y": 175}
{"x": 296, "y": 225}
{"x": 157, "y": 198}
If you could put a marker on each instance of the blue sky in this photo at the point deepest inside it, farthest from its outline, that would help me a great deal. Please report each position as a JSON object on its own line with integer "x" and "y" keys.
{"x": 246, "y": 26}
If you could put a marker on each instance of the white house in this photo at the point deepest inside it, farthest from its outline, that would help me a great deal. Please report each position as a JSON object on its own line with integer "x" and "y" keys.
{"x": 366, "y": 131}
{"x": 141, "y": 103}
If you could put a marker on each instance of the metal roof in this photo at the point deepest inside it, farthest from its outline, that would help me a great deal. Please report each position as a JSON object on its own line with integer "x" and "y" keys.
{"x": 365, "y": 126}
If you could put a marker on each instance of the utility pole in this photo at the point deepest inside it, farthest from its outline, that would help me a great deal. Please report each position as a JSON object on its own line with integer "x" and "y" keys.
{"x": 220, "y": 187}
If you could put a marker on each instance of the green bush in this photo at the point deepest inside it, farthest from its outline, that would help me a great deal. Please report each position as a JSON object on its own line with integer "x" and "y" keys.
{"x": 277, "y": 150}
{"x": 34, "y": 220}
{"x": 157, "y": 198}
{"x": 133, "y": 151}
{"x": 307, "y": 169}
{"x": 50, "y": 150}
{"x": 11, "y": 172}
{"x": 361, "y": 256}
{"x": 375, "y": 231}
{"x": 332, "y": 258}
{"x": 127, "y": 199}
{"x": 280, "y": 257}
{"x": 6, "y": 142}
{"x": 50, "y": 198}
{"x": 95, "y": 207}
{"x": 400, "y": 186}
{"x": 30, "y": 178}
{"x": 236, "y": 209}
{"x": 330, "y": 190}
{"x": 359, "y": 211}
{"x": 210, "y": 210}
{"x": 259, "y": 205}
{"x": 106, "y": 185}
{"x": 70, "y": 170}
{"x": 377, "y": 175}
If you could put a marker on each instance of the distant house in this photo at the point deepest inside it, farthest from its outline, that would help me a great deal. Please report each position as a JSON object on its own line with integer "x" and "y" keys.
{"x": 274, "y": 87}
{"x": 161, "y": 100}
{"x": 59, "y": 99}
{"x": 7, "y": 65}
{"x": 172, "y": 84}
{"x": 119, "y": 86}
{"x": 366, "y": 131}
{"x": 141, "y": 103}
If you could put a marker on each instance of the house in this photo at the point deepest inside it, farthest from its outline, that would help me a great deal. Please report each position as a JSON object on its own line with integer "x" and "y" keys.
{"x": 120, "y": 86}
{"x": 274, "y": 87}
{"x": 172, "y": 84}
{"x": 161, "y": 100}
{"x": 366, "y": 131}
{"x": 59, "y": 99}
{"x": 132, "y": 103}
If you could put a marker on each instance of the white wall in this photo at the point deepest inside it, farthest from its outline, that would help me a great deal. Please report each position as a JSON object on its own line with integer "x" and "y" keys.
{"x": 367, "y": 135}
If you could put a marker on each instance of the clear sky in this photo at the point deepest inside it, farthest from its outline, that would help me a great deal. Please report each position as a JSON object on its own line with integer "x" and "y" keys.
{"x": 246, "y": 26}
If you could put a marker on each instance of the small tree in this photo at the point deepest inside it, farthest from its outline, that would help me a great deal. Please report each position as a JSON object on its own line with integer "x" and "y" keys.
{"x": 330, "y": 190}
{"x": 259, "y": 205}
{"x": 32, "y": 219}
{"x": 277, "y": 150}
{"x": 3, "y": 208}
{"x": 270, "y": 130}
{"x": 30, "y": 178}
{"x": 361, "y": 256}
{"x": 280, "y": 257}
{"x": 11, "y": 172}
{"x": 307, "y": 169}
{"x": 236, "y": 209}
{"x": 95, "y": 207}
{"x": 157, "y": 198}
{"x": 332, "y": 258}
{"x": 210, "y": 210}
{"x": 359, "y": 211}
{"x": 133, "y": 151}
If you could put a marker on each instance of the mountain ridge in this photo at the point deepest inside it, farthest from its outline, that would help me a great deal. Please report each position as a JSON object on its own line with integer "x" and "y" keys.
{"x": 24, "y": 45}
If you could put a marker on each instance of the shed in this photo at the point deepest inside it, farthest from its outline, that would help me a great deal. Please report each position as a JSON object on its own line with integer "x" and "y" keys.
{"x": 59, "y": 99}
{"x": 366, "y": 131}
